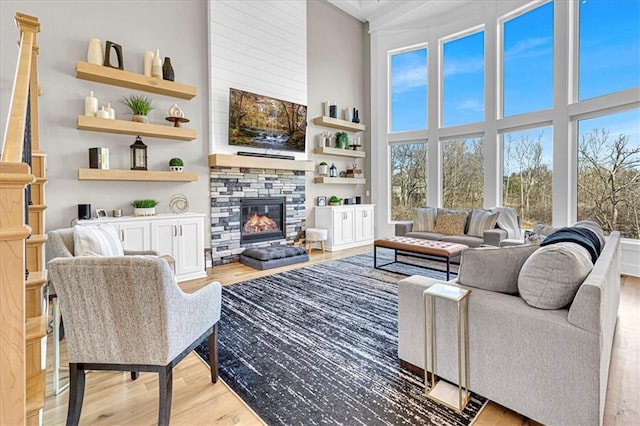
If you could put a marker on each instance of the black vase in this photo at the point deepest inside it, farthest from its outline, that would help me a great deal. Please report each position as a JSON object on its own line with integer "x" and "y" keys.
{"x": 167, "y": 70}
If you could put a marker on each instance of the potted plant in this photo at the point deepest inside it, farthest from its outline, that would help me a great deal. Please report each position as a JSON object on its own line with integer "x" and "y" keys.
{"x": 144, "y": 207}
{"x": 335, "y": 201}
{"x": 342, "y": 140}
{"x": 176, "y": 165}
{"x": 140, "y": 107}
{"x": 323, "y": 169}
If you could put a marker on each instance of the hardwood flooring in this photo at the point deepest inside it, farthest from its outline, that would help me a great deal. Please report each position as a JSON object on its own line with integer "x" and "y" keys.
{"x": 113, "y": 399}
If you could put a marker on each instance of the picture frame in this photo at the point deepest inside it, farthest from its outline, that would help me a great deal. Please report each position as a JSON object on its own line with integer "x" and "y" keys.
{"x": 101, "y": 213}
{"x": 321, "y": 200}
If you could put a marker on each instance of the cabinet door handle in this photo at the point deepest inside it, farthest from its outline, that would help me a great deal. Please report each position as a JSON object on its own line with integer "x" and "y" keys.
{"x": 180, "y": 230}
{"x": 122, "y": 235}
{"x": 175, "y": 230}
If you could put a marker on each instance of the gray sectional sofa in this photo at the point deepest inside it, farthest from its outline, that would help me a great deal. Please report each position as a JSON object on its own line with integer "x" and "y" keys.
{"x": 490, "y": 237}
{"x": 550, "y": 365}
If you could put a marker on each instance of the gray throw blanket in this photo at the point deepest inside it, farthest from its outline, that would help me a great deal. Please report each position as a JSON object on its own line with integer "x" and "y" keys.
{"x": 508, "y": 220}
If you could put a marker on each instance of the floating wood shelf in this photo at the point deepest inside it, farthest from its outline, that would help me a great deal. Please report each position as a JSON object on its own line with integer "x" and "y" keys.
{"x": 340, "y": 152}
{"x": 135, "y": 175}
{"x": 131, "y": 80}
{"x": 335, "y": 123}
{"x": 339, "y": 180}
{"x": 226, "y": 160}
{"x": 133, "y": 128}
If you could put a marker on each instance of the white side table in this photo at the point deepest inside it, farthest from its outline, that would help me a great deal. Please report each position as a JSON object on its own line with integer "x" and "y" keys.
{"x": 436, "y": 389}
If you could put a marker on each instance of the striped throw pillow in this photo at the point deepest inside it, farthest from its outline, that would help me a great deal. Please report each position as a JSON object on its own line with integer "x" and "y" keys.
{"x": 482, "y": 220}
{"x": 424, "y": 219}
{"x": 100, "y": 240}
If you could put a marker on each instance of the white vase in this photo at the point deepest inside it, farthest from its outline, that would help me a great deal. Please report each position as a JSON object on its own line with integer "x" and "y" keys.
{"x": 177, "y": 169}
{"x": 111, "y": 111}
{"x": 156, "y": 66}
{"x": 150, "y": 211}
{"x": 148, "y": 62}
{"x": 102, "y": 113}
{"x": 323, "y": 170}
{"x": 95, "y": 54}
{"x": 90, "y": 105}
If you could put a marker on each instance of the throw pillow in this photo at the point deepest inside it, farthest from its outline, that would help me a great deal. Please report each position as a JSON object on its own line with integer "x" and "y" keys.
{"x": 552, "y": 275}
{"x": 450, "y": 223}
{"x": 494, "y": 268}
{"x": 100, "y": 240}
{"x": 482, "y": 220}
{"x": 424, "y": 219}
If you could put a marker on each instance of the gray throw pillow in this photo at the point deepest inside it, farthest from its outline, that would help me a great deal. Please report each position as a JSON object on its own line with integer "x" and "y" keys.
{"x": 551, "y": 277}
{"x": 482, "y": 220}
{"x": 494, "y": 268}
{"x": 424, "y": 219}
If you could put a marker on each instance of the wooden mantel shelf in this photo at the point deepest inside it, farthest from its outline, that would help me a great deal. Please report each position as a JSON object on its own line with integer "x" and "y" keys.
{"x": 230, "y": 160}
{"x": 131, "y": 80}
{"x": 122, "y": 127}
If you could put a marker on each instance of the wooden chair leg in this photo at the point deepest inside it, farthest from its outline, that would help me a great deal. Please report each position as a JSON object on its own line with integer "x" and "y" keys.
{"x": 322, "y": 245}
{"x": 166, "y": 387}
{"x": 213, "y": 354}
{"x": 135, "y": 375}
{"x": 76, "y": 394}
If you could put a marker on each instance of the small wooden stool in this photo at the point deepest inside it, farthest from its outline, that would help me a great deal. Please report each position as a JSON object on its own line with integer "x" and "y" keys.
{"x": 316, "y": 235}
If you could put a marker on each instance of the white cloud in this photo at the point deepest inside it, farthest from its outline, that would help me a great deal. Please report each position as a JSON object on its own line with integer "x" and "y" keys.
{"x": 530, "y": 47}
{"x": 471, "y": 105}
{"x": 409, "y": 78}
{"x": 468, "y": 65}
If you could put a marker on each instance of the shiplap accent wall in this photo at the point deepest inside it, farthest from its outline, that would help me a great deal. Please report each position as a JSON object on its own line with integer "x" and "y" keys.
{"x": 259, "y": 47}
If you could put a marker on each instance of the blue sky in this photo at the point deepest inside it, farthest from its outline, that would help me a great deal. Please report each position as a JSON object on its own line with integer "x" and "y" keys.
{"x": 609, "y": 61}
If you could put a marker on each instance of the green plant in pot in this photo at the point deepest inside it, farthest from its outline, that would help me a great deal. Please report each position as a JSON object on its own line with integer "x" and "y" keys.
{"x": 342, "y": 140}
{"x": 140, "y": 107}
{"x": 323, "y": 168}
{"x": 335, "y": 201}
{"x": 176, "y": 165}
{"x": 146, "y": 207}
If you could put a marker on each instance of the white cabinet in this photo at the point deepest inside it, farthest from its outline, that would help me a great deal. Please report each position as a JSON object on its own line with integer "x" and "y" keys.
{"x": 348, "y": 226}
{"x": 181, "y": 236}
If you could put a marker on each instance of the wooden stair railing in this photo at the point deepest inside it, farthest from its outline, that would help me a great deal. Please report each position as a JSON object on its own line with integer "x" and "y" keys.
{"x": 23, "y": 308}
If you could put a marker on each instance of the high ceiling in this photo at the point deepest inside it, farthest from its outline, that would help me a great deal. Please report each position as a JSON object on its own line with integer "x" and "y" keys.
{"x": 384, "y": 14}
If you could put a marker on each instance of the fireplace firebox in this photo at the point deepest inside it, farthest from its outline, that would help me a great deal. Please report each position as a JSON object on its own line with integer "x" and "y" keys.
{"x": 262, "y": 219}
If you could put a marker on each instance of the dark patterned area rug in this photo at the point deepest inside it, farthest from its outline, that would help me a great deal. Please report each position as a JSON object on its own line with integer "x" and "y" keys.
{"x": 318, "y": 345}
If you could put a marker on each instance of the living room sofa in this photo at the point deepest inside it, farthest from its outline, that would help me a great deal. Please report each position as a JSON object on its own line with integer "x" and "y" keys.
{"x": 550, "y": 365}
{"x": 491, "y": 236}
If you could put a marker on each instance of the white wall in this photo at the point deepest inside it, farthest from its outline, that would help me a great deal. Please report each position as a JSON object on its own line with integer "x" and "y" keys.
{"x": 178, "y": 29}
{"x": 259, "y": 47}
{"x": 338, "y": 64}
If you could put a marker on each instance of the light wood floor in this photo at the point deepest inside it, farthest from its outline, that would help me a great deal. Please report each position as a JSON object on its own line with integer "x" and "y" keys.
{"x": 113, "y": 399}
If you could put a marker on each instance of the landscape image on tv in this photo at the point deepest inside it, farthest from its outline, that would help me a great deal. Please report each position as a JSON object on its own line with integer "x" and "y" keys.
{"x": 259, "y": 121}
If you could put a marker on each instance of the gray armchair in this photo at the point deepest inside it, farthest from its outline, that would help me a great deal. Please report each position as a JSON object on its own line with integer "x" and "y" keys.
{"x": 60, "y": 244}
{"x": 128, "y": 314}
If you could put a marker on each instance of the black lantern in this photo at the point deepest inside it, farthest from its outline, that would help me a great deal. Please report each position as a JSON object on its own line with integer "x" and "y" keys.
{"x": 138, "y": 155}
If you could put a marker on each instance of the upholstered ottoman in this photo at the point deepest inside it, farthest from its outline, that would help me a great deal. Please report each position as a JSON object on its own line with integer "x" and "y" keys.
{"x": 316, "y": 235}
{"x": 273, "y": 257}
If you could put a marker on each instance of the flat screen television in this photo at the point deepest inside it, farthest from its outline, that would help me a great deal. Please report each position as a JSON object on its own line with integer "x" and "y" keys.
{"x": 258, "y": 121}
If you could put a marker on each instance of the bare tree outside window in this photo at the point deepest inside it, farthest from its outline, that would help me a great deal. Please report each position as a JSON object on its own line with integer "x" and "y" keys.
{"x": 609, "y": 181}
{"x": 527, "y": 176}
{"x": 408, "y": 179}
{"x": 463, "y": 173}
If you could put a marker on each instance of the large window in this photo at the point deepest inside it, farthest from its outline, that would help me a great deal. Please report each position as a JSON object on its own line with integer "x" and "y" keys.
{"x": 408, "y": 179}
{"x": 609, "y": 172}
{"x": 528, "y": 61}
{"x": 463, "y": 80}
{"x": 609, "y": 48}
{"x": 409, "y": 90}
{"x": 463, "y": 173}
{"x": 526, "y": 180}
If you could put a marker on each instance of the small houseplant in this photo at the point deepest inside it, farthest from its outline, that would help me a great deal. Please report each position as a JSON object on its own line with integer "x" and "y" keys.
{"x": 176, "y": 165}
{"x": 140, "y": 107}
{"x": 323, "y": 169}
{"x": 342, "y": 140}
{"x": 335, "y": 201}
{"x": 144, "y": 207}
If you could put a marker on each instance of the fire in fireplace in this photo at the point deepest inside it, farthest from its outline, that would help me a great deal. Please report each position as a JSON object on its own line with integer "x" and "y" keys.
{"x": 262, "y": 219}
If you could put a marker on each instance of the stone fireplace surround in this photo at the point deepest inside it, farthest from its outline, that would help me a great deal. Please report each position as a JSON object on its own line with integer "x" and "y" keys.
{"x": 230, "y": 184}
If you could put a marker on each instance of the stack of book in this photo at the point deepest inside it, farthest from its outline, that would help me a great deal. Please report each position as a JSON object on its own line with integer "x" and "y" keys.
{"x": 355, "y": 173}
{"x": 99, "y": 158}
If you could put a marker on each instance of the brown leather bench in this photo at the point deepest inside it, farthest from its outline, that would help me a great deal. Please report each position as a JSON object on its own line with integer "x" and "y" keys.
{"x": 440, "y": 250}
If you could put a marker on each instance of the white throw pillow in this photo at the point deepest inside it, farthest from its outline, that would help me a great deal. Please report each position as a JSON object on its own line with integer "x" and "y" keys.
{"x": 100, "y": 240}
